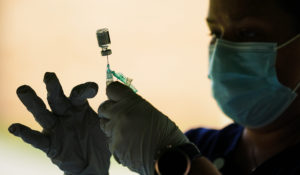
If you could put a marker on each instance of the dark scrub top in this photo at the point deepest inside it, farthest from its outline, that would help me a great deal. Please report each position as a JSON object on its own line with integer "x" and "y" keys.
{"x": 218, "y": 146}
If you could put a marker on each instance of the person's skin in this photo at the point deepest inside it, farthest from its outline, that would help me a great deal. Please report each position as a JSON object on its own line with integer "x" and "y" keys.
{"x": 262, "y": 21}
{"x": 202, "y": 166}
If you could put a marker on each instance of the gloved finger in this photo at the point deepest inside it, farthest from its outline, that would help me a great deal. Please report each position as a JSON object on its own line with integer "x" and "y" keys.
{"x": 56, "y": 98}
{"x": 80, "y": 93}
{"x": 117, "y": 91}
{"x": 35, "y": 138}
{"x": 106, "y": 126}
{"x": 36, "y": 106}
{"x": 105, "y": 109}
{"x": 116, "y": 158}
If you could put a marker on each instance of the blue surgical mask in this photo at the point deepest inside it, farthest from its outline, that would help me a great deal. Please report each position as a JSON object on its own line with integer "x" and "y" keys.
{"x": 245, "y": 84}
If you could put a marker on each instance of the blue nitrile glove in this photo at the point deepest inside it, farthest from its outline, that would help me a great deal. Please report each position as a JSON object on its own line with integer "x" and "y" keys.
{"x": 71, "y": 134}
{"x": 137, "y": 130}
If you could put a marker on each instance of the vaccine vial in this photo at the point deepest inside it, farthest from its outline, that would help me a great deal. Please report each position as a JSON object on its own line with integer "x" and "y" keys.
{"x": 104, "y": 41}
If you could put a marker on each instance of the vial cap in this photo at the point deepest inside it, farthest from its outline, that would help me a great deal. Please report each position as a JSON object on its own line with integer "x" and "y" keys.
{"x": 106, "y": 52}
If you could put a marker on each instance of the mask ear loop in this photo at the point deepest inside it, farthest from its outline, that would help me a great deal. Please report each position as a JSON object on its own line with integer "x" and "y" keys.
{"x": 297, "y": 87}
{"x": 288, "y": 42}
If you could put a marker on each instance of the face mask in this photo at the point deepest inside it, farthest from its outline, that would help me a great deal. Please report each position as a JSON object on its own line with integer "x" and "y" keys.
{"x": 245, "y": 84}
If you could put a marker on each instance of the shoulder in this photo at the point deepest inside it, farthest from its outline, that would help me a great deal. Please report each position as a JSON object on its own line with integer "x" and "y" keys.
{"x": 284, "y": 163}
{"x": 215, "y": 143}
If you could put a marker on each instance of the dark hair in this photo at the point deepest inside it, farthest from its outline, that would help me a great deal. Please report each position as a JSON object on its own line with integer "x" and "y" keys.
{"x": 292, "y": 7}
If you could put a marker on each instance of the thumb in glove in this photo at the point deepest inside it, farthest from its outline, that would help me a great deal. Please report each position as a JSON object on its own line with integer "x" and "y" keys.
{"x": 137, "y": 129}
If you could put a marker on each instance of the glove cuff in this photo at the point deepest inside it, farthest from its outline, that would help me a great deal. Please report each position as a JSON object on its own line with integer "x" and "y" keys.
{"x": 176, "y": 159}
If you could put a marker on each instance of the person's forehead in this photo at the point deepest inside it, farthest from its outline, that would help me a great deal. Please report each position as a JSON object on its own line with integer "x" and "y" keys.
{"x": 238, "y": 9}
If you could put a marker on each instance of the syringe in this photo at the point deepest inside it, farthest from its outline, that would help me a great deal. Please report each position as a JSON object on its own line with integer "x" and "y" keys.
{"x": 103, "y": 42}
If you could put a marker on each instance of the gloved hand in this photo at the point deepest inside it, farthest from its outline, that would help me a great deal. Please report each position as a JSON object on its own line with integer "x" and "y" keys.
{"x": 71, "y": 134}
{"x": 137, "y": 130}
